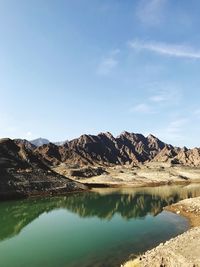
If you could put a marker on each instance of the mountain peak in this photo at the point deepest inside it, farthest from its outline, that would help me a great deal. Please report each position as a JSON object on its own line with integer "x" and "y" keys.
{"x": 151, "y": 136}
{"x": 107, "y": 134}
{"x": 105, "y": 150}
{"x": 39, "y": 141}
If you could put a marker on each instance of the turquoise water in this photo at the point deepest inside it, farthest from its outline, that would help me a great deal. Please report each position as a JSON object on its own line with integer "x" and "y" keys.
{"x": 100, "y": 228}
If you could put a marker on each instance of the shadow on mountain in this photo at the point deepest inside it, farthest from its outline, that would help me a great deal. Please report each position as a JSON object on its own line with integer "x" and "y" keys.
{"x": 130, "y": 203}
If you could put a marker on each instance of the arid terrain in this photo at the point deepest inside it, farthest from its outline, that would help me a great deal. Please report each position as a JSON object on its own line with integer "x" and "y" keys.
{"x": 23, "y": 173}
{"x": 41, "y": 167}
{"x": 149, "y": 174}
{"x": 129, "y": 160}
{"x": 181, "y": 251}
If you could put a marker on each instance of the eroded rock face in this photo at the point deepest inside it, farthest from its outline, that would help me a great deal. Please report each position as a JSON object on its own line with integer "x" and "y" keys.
{"x": 99, "y": 150}
{"x": 184, "y": 156}
{"x": 23, "y": 172}
{"x": 50, "y": 153}
{"x": 104, "y": 149}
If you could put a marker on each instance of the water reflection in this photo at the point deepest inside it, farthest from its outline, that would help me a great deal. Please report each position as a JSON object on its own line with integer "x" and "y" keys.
{"x": 104, "y": 204}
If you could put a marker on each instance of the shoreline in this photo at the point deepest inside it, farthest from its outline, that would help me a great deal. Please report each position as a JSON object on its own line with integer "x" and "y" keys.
{"x": 188, "y": 212}
{"x": 145, "y": 175}
{"x": 180, "y": 251}
{"x": 86, "y": 187}
{"x": 137, "y": 185}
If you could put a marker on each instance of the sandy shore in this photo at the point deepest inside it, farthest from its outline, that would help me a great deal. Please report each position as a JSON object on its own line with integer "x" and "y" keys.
{"x": 181, "y": 251}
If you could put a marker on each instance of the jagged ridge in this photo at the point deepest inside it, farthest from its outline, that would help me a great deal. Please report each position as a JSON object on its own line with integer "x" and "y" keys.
{"x": 106, "y": 150}
{"x": 103, "y": 149}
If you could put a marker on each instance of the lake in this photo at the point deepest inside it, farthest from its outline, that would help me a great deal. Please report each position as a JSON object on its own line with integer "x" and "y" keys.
{"x": 101, "y": 228}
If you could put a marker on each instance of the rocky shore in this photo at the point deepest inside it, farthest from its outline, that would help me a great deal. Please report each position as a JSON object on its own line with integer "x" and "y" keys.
{"x": 149, "y": 174}
{"x": 181, "y": 251}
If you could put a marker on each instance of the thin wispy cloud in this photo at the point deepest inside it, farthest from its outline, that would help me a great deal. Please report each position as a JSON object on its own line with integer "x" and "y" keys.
{"x": 108, "y": 63}
{"x": 158, "y": 98}
{"x": 176, "y": 126}
{"x": 174, "y": 131}
{"x": 166, "y": 49}
{"x": 142, "y": 108}
{"x": 150, "y": 12}
{"x": 169, "y": 96}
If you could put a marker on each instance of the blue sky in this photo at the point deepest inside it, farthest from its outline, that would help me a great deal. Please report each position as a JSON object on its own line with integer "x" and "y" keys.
{"x": 89, "y": 66}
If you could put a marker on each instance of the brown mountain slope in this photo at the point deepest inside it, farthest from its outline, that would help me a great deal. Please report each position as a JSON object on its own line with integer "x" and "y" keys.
{"x": 23, "y": 172}
{"x": 106, "y": 150}
{"x": 184, "y": 156}
{"x": 103, "y": 149}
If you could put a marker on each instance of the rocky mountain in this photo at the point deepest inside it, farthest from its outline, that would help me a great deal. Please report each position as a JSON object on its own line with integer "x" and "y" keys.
{"x": 39, "y": 142}
{"x": 24, "y": 172}
{"x": 126, "y": 149}
{"x": 27, "y": 169}
{"x": 25, "y": 143}
{"x": 50, "y": 153}
{"x": 103, "y": 149}
{"x": 184, "y": 156}
{"x": 100, "y": 150}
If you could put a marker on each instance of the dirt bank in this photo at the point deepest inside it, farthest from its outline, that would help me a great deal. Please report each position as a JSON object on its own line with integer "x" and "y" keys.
{"x": 189, "y": 208}
{"x": 181, "y": 251}
{"x": 151, "y": 174}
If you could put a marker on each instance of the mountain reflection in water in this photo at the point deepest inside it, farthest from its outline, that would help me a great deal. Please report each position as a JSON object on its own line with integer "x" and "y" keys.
{"x": 102, "y": 203}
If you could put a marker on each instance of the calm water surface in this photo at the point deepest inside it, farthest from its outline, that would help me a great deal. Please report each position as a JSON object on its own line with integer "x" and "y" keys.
{"x": 101, "y": 228}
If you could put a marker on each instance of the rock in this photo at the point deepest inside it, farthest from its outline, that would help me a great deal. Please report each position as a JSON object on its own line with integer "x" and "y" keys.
{"x": 104, "y": 150}
{"x": 88, "y": 172}
{"x": 23, "y": 173}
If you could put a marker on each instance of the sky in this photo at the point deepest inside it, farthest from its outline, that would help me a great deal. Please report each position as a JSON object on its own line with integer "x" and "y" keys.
{"x": 87, "y": 66}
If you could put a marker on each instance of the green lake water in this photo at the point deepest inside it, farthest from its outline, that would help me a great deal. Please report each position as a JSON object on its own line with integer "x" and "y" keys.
{"x": 102, "y": 228}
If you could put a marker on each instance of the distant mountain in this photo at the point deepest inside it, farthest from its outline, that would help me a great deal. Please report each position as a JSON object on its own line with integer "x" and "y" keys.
{"x": 39, "y": 142}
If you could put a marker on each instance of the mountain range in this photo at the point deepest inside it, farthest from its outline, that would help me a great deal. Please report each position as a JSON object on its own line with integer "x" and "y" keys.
{"x": 28, "y": 168}
{"x": 106, "y": 150}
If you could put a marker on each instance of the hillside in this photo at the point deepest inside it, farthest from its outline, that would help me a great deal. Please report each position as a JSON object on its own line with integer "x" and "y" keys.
{"x": 24, "y": 173}
{"x": 128, "y": 159}
{"x": 126, "y": 149}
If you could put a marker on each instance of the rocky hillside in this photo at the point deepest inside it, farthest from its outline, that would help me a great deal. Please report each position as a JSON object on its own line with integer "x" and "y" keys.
{"x": 126, "y": 149}
{"x": 26, "y": 169}
{"x": 24, "y": 172}
{"x": 99, "y": 150}
{"x": 184, "y": 156}
{"x": 103, "y": 149}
